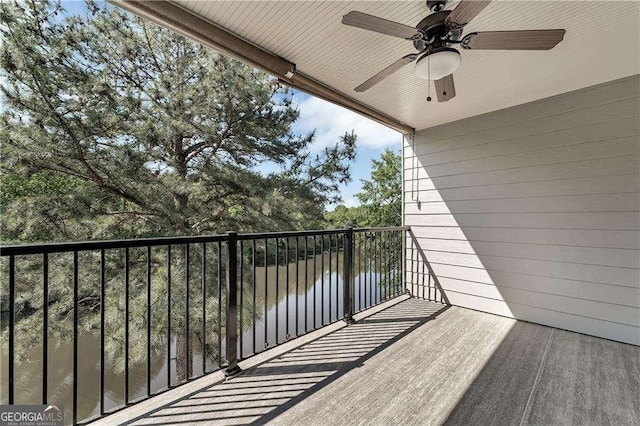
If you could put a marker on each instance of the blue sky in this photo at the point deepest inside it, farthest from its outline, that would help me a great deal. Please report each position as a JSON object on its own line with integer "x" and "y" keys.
{"x": 330, "y": 122}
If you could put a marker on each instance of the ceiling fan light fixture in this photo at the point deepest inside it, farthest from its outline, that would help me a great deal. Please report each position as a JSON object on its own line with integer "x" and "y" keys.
{"x": 439, "y": 64}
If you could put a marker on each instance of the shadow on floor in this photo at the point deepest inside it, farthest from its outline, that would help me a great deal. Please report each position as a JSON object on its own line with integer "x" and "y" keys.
{"x": 543, "y": 375}
{"x": 264, "y": 392}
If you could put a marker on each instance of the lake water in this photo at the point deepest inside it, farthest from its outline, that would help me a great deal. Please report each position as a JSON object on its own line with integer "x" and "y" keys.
{"x": 310, "y": 298}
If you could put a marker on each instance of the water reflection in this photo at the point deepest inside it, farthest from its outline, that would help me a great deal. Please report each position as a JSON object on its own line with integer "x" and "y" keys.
{"x": 311, "y": 297}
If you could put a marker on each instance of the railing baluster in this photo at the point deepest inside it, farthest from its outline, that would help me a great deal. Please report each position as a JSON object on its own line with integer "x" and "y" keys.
{"x": 389, "y": 262}
{"x": 186, "y": 311}
{"x": 399, "y": 253}
{"x": 379, "y": 249}
{"x": 383, "y": 268}
{"x": 322, "y": 282}
{"x": 383, "y": 284}
{"x": 360, "y": 267}
{"x": 315, "y": 290}
{"x": 277, "y": 304}
{"x": 423, "y": 287}
{"x": 338, "y": 277}
{"x": 330, "y": 275}
{"x": 126, "y": 325}
{"x": 204, "y": 308}
{"x": 232, "y": 305}
{"x": 286, "y": 256}
{"x": 169, "y": 316}
{"x": 347, "y": 283}
{"x": 241, "y": 304}
{"x": 266, "y": 293}
{"x": 103, "y": 283}
{"x": 306, "y": 284}
{"x": 148, "y": 320}
{"x": 297, "y": 283}
{"x": 219, "y": 304}
{"x": 12, "y": 324}
{"x": 365, "y": 266}
{"x": 414, "y": 281}
{"x": 391, "y": 257}
{"x": 45, "y": 326}
{"x": 392, "y": 264}
{"x": 75, "y": 337}
{"x": 255, "y": 306}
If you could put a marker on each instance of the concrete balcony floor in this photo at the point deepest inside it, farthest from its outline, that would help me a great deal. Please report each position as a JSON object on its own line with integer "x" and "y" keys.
{"x": 416, "y": 362}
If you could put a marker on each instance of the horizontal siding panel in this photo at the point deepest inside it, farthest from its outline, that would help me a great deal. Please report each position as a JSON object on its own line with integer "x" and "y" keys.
{"x": 463, "y": 273}
{"x": 615, "y": 165}
{"x": 629, "y": 277}
{"x": 602, "y": 221}
{"x": 614, "y": 295}
{"x": 588, "y": 151}
{"x": 575, "y": 120}
{"x": 594, "y": 185}
{"x": 581, "y": 324}
{"x": 443, "y": 136}
{"x": 564, "y": 237}
{"x": 595, "y": 256}
{"x": 534, "y": 212}
{"x": 572, "y": 237}
{"x": 492, "y": 306}
{"x": 577, "y": 306}
{"x": 580, "y": 272}
{"x": 490, "y": 147}
{"x": 552, "y": 204}
{"x": 618, "y": 295}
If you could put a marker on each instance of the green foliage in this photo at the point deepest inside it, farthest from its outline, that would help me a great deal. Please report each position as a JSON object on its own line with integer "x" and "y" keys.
{"x": 112, "y": 127}
{"x": 381, "y": 197}
{"x": 169, "y": 136}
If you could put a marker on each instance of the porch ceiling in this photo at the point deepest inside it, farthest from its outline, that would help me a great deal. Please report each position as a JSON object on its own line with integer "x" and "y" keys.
{"x": 602, "y": 43}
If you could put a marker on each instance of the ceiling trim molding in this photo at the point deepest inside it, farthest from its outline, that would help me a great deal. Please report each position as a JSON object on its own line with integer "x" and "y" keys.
{"x": 190, "y": 25}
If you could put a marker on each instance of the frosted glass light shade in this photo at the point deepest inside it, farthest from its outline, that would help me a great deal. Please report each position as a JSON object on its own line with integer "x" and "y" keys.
{"x": 442, "y": 63}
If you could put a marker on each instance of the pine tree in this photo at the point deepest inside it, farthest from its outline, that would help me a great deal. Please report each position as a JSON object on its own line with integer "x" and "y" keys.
{"x": 115, "y": 128}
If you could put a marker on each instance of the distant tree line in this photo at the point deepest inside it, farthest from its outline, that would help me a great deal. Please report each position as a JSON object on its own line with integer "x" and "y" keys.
{"x": 380, "y": 197}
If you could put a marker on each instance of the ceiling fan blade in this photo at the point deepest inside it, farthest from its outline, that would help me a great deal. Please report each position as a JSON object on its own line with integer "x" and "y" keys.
{"x": 464, "y": 12}
{"x": 445, "y": 88}
{"x": 386, "y": 72}
{"x": 379, "y": 25}
{"x": 514, "y": 40}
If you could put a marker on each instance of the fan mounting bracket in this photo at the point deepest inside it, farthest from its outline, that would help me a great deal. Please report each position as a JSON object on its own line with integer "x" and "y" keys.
{"x": 436, "y": 5}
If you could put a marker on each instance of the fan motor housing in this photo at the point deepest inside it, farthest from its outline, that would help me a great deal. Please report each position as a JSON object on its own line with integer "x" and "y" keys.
{"x": 434, "y": 29}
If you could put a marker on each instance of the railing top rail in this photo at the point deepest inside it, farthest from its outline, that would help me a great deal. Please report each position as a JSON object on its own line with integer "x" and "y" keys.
{"x": 382, "y": 229}
{"x": 26, "y": 249}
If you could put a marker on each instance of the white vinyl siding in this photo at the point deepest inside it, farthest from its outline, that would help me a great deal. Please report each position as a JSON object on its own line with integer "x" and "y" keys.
{"x": 533, "y": 212}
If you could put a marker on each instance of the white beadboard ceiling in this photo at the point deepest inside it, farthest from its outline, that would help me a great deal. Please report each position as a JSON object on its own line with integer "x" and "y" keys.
{"x": 602, "y": 43}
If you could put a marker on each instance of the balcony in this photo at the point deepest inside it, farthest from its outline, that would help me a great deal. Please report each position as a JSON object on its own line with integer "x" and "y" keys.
{"x": 122, "y": 321}
{"x": 324, "y": 327}
{"x": 417, "y": 362}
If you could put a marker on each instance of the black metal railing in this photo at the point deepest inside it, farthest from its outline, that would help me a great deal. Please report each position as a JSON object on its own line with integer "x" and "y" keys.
{"x": 421, "y": 281}
{"x": 146, "y": 315}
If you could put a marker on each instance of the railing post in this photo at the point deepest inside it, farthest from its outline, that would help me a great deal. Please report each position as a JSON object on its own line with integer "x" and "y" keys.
{"x": 348, "y": 283}
{"x": 403, "y": 261}
{"x": 232, "y": 305}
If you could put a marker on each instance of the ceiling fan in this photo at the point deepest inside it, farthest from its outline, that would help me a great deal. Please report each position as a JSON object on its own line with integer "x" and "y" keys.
{"x": 433, "y": 37}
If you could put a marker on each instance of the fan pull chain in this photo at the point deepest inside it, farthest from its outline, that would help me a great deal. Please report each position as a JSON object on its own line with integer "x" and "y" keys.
{"x": 428, "y": 79}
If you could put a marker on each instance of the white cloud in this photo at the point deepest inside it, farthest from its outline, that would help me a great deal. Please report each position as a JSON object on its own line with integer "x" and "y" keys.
{"x": 350, "y": 200}
{"x": 332, "y": 121}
